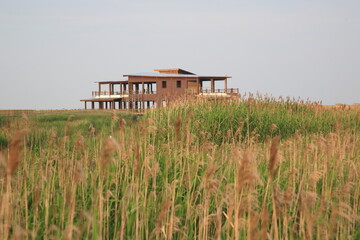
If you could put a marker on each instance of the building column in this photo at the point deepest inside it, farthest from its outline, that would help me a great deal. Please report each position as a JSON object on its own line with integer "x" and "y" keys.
{"x": 85, "y": 104}
{"x": 212, "y": 85}
{"x": 225, "y": 85}
{"x": 130, "y": 88}
{"x": 92, "y": 105}
{"x": 198, "y": 85}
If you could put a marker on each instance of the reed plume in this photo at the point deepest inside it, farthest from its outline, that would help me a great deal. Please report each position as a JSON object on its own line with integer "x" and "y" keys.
{"x": 15, "y": 151}
{"x": 273, "y": 155}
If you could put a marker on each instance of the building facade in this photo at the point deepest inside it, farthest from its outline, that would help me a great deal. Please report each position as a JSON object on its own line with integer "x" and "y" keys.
{"x": 147, "y": 90}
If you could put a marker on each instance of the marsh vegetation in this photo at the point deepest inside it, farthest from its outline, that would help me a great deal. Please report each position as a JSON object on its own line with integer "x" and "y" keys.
{"x": 258, "y": 169}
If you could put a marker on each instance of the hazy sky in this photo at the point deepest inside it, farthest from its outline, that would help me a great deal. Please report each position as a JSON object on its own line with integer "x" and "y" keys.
{"x": 52, "y": 52}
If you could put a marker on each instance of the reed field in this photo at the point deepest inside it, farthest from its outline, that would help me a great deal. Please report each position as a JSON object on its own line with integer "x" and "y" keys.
{"x": 261, "y": 168}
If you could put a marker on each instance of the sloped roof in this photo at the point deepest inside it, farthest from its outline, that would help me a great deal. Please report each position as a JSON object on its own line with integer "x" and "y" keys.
{"x": 157, "y": 74}
{"x": 173, "y": 71}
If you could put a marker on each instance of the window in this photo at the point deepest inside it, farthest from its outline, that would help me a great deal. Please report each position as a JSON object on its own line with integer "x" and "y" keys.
{"x": 178, "y": 84}
{"x": 163, "y": 84}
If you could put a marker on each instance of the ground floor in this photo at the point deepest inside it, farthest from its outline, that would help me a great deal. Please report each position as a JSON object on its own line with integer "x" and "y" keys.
{"x": 119, "y": 104}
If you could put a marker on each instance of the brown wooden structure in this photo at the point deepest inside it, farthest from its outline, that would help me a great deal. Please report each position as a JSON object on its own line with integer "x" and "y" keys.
{"x": 146, "y": 90}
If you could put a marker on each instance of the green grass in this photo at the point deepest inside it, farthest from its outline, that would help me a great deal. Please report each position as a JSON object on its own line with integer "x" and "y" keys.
{"x": 254, "y": 118}
{"x": 190, "y": 171}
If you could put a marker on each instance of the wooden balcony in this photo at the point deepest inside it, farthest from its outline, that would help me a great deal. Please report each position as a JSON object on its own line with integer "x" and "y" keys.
{"x": 223, "y": 93}
{"x": 228, "y": 90}
{"x": 122, "y": 94}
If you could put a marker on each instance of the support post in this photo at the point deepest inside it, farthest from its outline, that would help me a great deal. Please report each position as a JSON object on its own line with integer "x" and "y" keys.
{"x": 198, "y": 85}
{"x": 225, "y": 85}
{"x": 92, "y": 105}
{"x": 212, "y": 85}
{"x": 85, "y": 104}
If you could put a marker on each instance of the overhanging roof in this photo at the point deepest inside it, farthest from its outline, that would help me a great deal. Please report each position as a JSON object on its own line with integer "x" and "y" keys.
{"x": 109, "y": 81}
{"x": 174, "y": 70}
{"x": 157, "y": 74}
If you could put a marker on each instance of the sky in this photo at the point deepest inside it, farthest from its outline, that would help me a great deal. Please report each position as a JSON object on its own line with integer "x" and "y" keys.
{"x": 52, "y": 52}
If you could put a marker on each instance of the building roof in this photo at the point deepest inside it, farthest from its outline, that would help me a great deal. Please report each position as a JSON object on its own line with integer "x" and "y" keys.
{"x": 99, "y": 99}
{"x": 158, "y": 74}
{"x": 173, "y": 70}
{"x": 111, "y": 81}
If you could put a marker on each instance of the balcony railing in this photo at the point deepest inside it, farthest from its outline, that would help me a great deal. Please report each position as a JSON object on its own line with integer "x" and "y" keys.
{"x": 97, "y": 94}
{"x": 228, "y": 90}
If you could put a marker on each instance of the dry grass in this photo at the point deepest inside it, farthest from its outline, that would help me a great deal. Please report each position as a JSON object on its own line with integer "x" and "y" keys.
{"x": 161, "y": 178}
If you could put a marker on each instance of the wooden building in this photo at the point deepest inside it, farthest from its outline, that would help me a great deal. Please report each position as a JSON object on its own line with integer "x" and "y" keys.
{"x": 155, "y": 89}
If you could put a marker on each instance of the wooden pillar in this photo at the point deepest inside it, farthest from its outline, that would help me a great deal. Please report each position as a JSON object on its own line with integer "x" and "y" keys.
{"x": 99, "y": 88}
{"x": 212, "y": 85}
{"x": 147, "y": 104}
{"x": 85, "y": 104}
{"x": 225, "y": 85}
{"x": 198, "y": 85}
{"x": 142, "y": 89}
{"x": 121, "y": 89}
{"x": 92, "y": 105}
{"x": 130, "y": 88}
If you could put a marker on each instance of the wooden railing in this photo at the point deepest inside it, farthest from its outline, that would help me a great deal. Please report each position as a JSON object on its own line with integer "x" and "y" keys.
{"x": 108, "y": 93}
{"x": 229, "y": 90}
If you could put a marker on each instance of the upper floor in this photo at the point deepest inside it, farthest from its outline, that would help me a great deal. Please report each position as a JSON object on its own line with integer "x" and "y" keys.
{"x": 166, "y": 83}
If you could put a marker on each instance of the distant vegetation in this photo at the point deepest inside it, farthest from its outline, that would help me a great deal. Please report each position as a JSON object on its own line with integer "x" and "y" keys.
{"x": 259, "y": 168}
